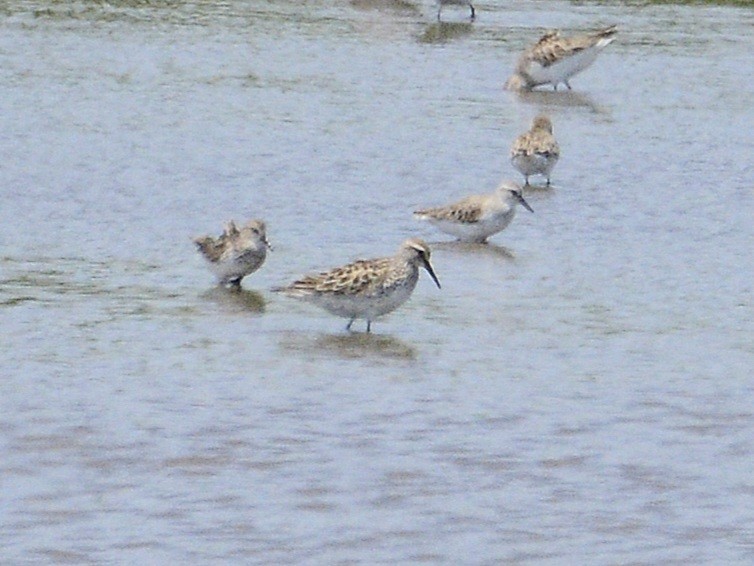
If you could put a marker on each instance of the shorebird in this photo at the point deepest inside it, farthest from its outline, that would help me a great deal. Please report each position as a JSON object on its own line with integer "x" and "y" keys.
{"x": 555, "y": 59}
{"x": 367, "y": 288}
{"x": 476, "y": 218}
{"x": 536, "y": 152}
{"x": 236, "y": 253}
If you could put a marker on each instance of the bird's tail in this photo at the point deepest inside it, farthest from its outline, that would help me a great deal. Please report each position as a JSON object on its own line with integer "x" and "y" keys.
{"x": 606, "y": 36}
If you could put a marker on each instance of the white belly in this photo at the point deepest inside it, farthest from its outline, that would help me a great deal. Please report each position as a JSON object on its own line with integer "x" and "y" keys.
{"x": 564, "y": 69}
{"x": 476, "y": 231}
{"x": 364, "y": 307}
{"x": 536, "y": 164}
{"x": 238, "y": 265}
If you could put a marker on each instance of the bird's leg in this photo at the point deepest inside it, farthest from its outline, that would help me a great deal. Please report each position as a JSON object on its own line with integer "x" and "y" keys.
{"x": 369, "y": 326}
{"x": 567, "y": 84}
{"x": 473, "y": 13}
{"x": 348, "y": 326}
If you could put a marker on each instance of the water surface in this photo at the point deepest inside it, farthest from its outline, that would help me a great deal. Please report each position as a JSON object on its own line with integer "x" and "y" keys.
{"x": 578, "y": 392}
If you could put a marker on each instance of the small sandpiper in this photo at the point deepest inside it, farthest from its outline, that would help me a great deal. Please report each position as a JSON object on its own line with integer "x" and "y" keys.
{"x": 555, "y": 59}
{"x": 441, "y": 3}
{"x": 366, "y": 289}
{"x": 477, "y": 217}
{"x": 536, "y": 152}
{"x": 237, "y": 252}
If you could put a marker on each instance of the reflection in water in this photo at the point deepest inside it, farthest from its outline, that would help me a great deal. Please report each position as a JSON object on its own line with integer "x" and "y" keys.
{"x": 540, "y": 188}
{"x": 488, "y": 249}
{"x": 236, "y": 299}
{"x": 440, "y": 32}
{"x": 15, "y": 301}
{"x": 140, "y": 418}
{"x": 46, "y": 277}
{"x": 560, "y": 98}
{"x": 353, "y": 345}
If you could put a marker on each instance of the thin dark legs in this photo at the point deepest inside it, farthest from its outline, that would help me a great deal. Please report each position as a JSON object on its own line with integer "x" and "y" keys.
{"x": 350, "y": 322}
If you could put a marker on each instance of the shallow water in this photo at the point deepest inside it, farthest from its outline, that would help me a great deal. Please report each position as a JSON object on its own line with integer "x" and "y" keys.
{"x": 579, "y": 391}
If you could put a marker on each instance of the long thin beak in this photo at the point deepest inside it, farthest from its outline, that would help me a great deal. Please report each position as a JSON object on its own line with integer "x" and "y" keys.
{"x": 431, "y": 272}
{"x": 523, "y": 202}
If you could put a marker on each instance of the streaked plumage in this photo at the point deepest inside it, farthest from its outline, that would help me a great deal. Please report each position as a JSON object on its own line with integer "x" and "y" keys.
{"x": 536, "y": 152}
{"x": 366, "y": 289}
{"x": 477, "y": 217}
{"x": 237, "y": 252}
{"x": 554, "y": 59}
{"x": 441, "y": 3}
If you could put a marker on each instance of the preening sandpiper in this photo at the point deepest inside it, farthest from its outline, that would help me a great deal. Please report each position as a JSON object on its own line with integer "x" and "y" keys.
{"x": 237, "y": 252}
{"x": 555, "y": 59}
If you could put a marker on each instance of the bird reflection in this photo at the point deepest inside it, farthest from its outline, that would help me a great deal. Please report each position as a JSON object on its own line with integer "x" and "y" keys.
{"x": 440, "y": 32}
{"x": 540, "y": 188}
{"x": 360, "y": 345}
{"x": 561, "y": 98}
{"x": 236, "y": 299}
{"x": 488, "y": 249}
{"x": 354, "y": 345}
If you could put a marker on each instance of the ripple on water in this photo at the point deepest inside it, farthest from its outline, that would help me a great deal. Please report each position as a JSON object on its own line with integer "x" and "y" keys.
{"x": 578, "y": 392}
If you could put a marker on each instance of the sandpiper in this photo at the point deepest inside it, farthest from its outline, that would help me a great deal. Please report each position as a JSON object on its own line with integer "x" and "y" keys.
{"x": 536, "y": 152}
{"x": 237, "y": 252}
{"x": 554, "y": 59}
{"x": 441, "y": 3}
{"x": 366, "y": 289}
{"x": 476, "y": 218}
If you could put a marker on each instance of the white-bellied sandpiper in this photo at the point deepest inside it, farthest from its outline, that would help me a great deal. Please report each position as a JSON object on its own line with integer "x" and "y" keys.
{"x": 476, "y": 218}
{"x": 555, "y": 59}
{"x": 366, "y": 289}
